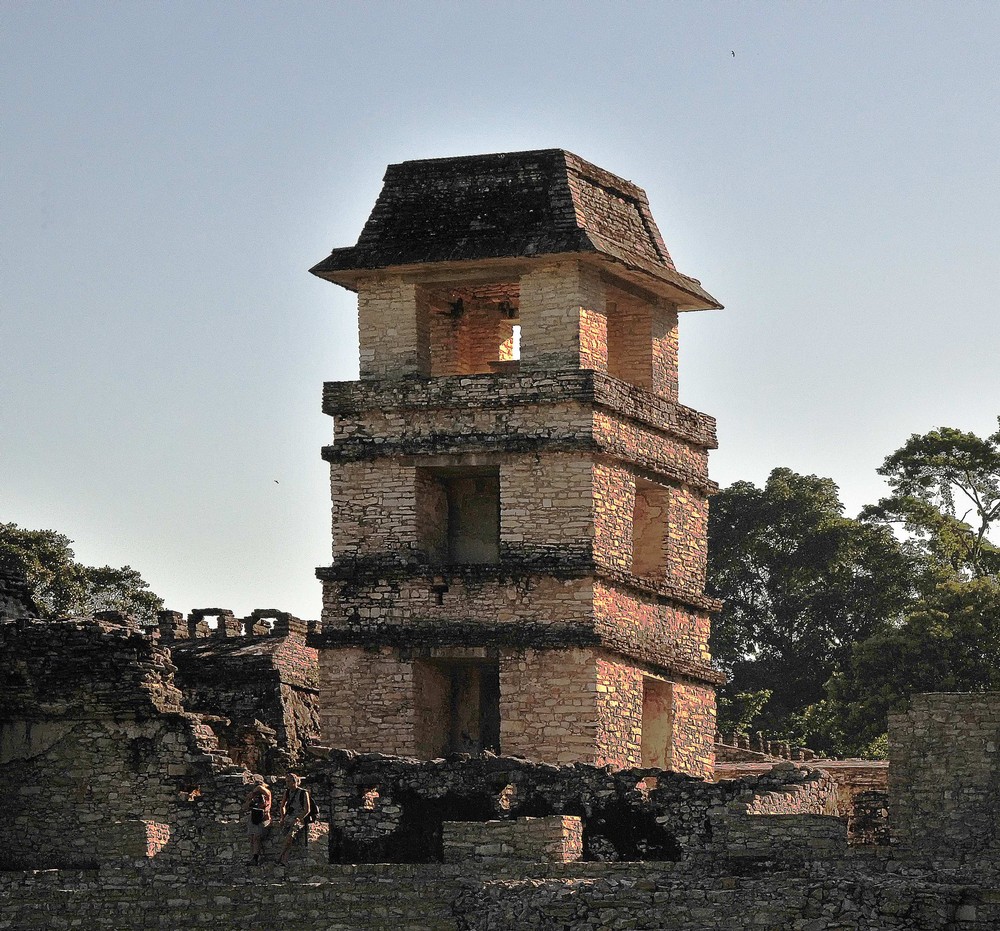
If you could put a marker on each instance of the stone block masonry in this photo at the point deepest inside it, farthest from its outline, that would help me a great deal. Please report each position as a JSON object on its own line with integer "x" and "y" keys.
{"x": 945, "y": 753}
{"x": 556, "y": 839}
{"x": 555, "y": 705}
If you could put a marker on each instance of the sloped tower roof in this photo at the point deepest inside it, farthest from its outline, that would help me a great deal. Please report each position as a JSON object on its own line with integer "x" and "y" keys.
{"x": 514, "y": 205}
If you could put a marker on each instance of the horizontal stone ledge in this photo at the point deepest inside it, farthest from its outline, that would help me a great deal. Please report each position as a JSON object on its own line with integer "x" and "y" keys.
{"x": 489, "y": 391}
{"x": 350, "y": 450}
{"x": 516, "y": 562}
{"x": 420, "y": 638}
{"x": 572, "y": 565}
{"x": 493, "y": 449}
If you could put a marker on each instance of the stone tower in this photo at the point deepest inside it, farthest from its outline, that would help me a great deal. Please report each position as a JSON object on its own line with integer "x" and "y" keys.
{"x": 519, "y": 501}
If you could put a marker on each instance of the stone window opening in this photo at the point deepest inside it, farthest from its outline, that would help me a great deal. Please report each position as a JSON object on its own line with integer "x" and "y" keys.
{"x": 458, "y": 707}
{"x": 650, "y": 530}
{"x": 459, "y": 515}
{"x": 657, "y": 723}
{"x": 471, "y": 330}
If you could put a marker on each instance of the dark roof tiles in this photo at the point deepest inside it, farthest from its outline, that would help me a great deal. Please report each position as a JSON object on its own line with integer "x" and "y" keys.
{"x": 507, "y": 205}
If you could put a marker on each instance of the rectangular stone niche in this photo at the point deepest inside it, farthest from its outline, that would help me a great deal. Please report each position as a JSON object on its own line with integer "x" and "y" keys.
{"x": 657, "y": 723}
{"x": 459, "y": 515}
{"x": 650, "y": 529}
{"x": 457, "y": 705}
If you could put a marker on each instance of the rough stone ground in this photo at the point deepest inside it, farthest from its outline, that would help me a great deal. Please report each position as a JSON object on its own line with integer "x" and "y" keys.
{"x": 434, "y": 897}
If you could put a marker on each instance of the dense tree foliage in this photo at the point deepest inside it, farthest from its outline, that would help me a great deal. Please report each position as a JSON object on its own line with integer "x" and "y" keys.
{"x": 63, "y": 587}
{"x": 801, "y": 583}
{"x": 842, "y": 620}
{"x": 949, "y": 641}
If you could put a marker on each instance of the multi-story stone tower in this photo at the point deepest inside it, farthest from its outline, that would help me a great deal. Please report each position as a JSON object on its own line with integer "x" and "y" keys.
{"x": 519, "y": 501}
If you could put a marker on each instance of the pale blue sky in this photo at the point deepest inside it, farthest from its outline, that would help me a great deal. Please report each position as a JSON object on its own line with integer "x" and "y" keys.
{"x": 168, "y": 172}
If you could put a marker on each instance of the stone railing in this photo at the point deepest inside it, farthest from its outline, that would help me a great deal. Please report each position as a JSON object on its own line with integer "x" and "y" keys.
{"x": 759, "y": 744}
{"x": 262, "y": 622}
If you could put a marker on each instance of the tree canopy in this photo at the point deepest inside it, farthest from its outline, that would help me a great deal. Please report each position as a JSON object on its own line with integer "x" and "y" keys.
{"x": 830, "y": 623}
{"x": 63, "y": 587}
{"x": 945, "y": 488}
{"x": 801, "y": 583}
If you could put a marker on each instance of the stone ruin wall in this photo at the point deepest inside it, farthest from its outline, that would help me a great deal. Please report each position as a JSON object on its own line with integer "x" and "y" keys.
{"x": 254, "y": 678}
{"x": 105, "y": 750}
{"x": 945, "y": 777}
{"x": 129, "y": 794}
{"x": 393, "y": 809}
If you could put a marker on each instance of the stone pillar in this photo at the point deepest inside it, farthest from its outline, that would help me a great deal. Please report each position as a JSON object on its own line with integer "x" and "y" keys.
{"x": 563, "y": 319}
{"x": 393, "y": 329}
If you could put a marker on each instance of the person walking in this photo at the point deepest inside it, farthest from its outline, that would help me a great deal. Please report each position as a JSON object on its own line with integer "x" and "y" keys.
{"x": 257, "y": 805}
{"x": 295, "y": 807}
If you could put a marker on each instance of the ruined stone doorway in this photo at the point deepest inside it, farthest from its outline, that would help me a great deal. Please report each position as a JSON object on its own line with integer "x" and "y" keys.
{"x": 458, "y": 707}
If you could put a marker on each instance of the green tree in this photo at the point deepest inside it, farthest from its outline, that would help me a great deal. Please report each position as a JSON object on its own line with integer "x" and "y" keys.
{"x": 63, "y": 587}
{"x": 945, "y": 495}
{"x": 945, "y": 502}
{"x": 949, "y": 641}
{"x": 801, "y": 583}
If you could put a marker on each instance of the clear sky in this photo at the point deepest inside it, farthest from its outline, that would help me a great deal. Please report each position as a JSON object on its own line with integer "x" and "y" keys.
{"x": 169, "y": 171}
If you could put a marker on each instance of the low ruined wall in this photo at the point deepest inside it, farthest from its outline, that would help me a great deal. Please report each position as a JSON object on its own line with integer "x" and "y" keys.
{"x": 100, "y": 762}
{"x": 390, "y": 809}
{"x": 556, "y": 839}
{"x": 631, "y": 901}
{"x": 943, "y": 785}
{"x": 102, "y": 790}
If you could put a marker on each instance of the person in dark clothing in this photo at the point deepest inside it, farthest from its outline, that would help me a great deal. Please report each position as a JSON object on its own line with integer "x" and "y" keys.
{"x": 295, "y": 807}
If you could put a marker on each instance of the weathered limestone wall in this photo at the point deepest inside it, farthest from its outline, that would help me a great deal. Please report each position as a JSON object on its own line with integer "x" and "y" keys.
{"x": 374, "y": 509}
{"x": 369, "y": 702}
{"x": 860, "y": 786}
{"x": 393, "y": 809}
{"x": 693, "y": 720}
{"x": 359, "y": 404}
{"x": 779, "y": 901}
{"x": 85, "y": 793}
{"x": 461, "y": 897}
{"x": 554, "y": 839}
{"x": 485, "y": 596}
{"x": 634, "y": 616}
{"x": 393, "y": 322}
{"x": 99, "y": 759}
{"x": 619, "y": 713}
{"x": 556, "y": 705}
{"x": 642, "y": 343}
{"x": 943, "y": 782}
{"x": 548, "y": 704}
{"x": 546, "y": 506}
{"x": 563, "y": 318}
{"x": 260, "y": 688}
